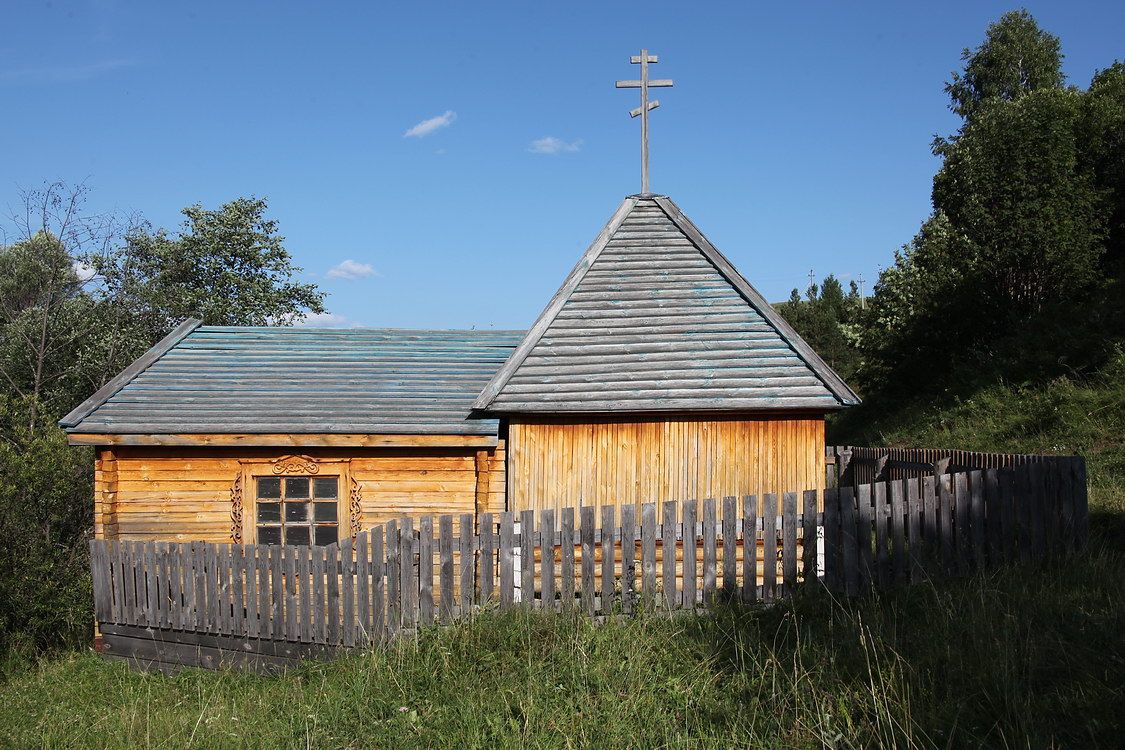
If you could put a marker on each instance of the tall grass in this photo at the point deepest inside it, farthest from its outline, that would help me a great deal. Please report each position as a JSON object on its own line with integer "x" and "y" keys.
{"x": 1018, "y": 657}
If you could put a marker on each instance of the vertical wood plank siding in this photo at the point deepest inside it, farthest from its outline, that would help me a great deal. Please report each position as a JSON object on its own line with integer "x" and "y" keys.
{"x": 565, "y": 463}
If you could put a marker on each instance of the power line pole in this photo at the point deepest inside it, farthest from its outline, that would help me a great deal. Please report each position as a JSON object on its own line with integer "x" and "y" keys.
{"x": 862, "y": 297}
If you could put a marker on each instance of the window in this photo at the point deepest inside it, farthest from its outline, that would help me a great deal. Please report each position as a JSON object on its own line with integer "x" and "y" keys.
{"x": 298, "y": 510}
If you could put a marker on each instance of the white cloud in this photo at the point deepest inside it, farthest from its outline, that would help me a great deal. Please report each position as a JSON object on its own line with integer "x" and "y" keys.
{"x": 551, "y": 145}
{"x": 325, "y": 320}
{"x": 432, "y": 125}
{"x": 350, "y": 269}
{"x": 82, "y": 271}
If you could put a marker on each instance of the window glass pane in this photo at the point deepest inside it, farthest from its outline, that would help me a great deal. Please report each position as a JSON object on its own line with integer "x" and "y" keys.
{"x": 269, "y": 512}
{"x": 325, "y": 535}
{"x": 296, "y": 512}
{"x": 296, "y": 534}
{"x": 326, "y": 511}
{"x": 269, "y": 487}
{"x": 269, "y": 535}
{"x": 325, "y": 487}
{"x": 296, "y": 486}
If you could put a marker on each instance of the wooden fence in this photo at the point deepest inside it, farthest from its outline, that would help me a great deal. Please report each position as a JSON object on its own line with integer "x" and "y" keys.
{"x": 167, "y": 604}
{"x": 855, "y": 465}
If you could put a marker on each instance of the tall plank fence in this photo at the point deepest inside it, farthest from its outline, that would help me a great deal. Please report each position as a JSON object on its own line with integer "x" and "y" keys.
{"x": 168, "y": 604}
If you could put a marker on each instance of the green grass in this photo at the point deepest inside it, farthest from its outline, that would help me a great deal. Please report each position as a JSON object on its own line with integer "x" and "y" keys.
{"x": 1016, "y": 657}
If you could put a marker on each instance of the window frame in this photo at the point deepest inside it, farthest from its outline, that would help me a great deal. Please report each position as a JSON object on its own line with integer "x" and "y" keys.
{"x": 296, "y": 466}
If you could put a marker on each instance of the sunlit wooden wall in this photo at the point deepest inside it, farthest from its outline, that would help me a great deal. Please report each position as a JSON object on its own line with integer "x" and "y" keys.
{"x": 557, "y": 463}
{"x": 184, "y": 494}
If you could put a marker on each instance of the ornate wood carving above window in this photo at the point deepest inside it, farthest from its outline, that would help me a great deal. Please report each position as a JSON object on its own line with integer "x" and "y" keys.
{"x": 295, "y": 465}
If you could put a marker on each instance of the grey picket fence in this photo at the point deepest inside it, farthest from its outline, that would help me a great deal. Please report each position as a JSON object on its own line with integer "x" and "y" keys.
{"x": 201, "y": 603}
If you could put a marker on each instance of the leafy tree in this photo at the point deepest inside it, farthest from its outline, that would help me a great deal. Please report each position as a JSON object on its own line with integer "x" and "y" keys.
{"x": 227, "y": 266}
{"x": 827, "y": 319}
{"x": 1016, "y": 58}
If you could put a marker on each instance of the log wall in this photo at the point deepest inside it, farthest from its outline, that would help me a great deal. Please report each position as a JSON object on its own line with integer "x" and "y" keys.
{"x": 184, "y": 494}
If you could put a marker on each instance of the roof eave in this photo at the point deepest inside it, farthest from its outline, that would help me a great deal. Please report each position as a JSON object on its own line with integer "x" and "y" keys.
{"x": 142, "y": 363}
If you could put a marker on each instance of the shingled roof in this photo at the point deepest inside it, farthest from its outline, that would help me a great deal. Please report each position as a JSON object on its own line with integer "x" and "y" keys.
{"x": 655, "y": 318}
{"x": 209, "y": 379}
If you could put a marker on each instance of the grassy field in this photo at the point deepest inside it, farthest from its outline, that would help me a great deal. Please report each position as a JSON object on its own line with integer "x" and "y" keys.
{"x": 1018, "y": 657}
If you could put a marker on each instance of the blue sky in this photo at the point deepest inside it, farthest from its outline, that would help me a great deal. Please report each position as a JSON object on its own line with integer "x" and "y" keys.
{"x": 797, "y": 135}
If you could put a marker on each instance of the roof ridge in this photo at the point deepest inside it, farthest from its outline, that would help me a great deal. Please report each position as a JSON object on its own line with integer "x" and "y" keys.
{"x": 840, "y": 389}
{"x": 548, "y": 314}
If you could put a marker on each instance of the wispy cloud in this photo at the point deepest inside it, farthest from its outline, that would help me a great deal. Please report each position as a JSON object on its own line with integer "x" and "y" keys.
{"x": 351, "y": 269}
{"x": 61, "y": 73}
{"x": 325, "y": 320}
{"x": 432, "y": 125}
{"x": 551, "y": 146}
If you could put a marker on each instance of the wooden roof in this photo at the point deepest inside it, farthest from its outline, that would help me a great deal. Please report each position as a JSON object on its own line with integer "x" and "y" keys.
{"x": 655, "y": 318}
{"x": 209, "y": 379}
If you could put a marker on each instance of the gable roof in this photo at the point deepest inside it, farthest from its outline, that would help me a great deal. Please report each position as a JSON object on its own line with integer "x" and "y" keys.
{"x": 654, "y": 318}
{"x": 211, "y": 379}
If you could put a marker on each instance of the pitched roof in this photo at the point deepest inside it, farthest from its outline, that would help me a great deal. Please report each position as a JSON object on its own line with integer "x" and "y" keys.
{"x": 655, "y": 318}
{"x": 210, "y": 379}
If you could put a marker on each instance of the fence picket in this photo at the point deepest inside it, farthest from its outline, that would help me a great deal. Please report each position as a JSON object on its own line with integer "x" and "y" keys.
{"x": 833, "y": 579}
{"x": 393, "y": 574}
{"x": 945, "y": 513}
{"x": 931, "y": 525}
{"x": 608, "y": 559}
{"x": 690, "y": 589}
{"x": 289, "y": 567}
{"x": 277, "y": 593}
{"x": 668, "y": 556}
{"x": 710, "y": 551}
{"x": 648, "y": 553}
{"x": 1038, "y": 510}
{"x": 407, "y": 574}
{"x": 566, "y": 549}
{"x": 849, "y": 541}
{"x": 507, "y": 572}
{"x": 864, "y": 527}
{"x": 468, "y": 564}
{"x": 586, "y": 519}
{"x": 445, "y": 554}
{"x": 363, "y": 586}
{"x": 426, "y": 570}
{"x": 789, "y": 542}
{"x": 487, "y": 557}
{"x": 378, "y": 594}
{"x": 547, "y": 554}
{"x": 809, "y": 540}
{"x": 1081, "y": 504}
{"x": 963, "y": 533}
{"x": 730, "y": 547}
{"x": 332, "y": 568}
{"x": 265, "y": 604}
{"x": 882, "y": 517}
{"x": 347, "y": 592}
{"x": 749, "y": 548}
{"x": 898, "y": 508}
{"x": 527, "y": 558}
{"x": 628, "y": 557}
{"x": 769, "y": 547}
{"x": 976, "y": 517}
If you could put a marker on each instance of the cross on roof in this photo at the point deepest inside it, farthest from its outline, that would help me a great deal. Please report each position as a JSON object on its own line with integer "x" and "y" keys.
{"x": 644, "y": 84}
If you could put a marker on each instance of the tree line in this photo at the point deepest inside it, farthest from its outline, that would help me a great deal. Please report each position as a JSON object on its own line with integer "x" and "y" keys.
{"x": 1016, "y": 275}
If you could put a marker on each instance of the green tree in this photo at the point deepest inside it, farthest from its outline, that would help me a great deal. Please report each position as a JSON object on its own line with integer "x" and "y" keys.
{"x": 1016, "y": 58}
{"x": 227, "y": 266}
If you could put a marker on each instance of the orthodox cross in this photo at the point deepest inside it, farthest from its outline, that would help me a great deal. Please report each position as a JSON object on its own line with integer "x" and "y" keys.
{"x": 644, "y": 85}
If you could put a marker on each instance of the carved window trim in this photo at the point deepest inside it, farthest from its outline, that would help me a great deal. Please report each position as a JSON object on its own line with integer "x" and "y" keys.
{"x": 244, "y": 494}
